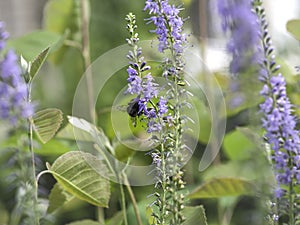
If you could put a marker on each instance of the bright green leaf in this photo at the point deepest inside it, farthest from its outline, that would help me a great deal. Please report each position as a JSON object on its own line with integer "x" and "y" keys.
{"x": 57, "y": 198}
{"x": 149, "y": 213}
{"x": 293, "y": 26}
{"x": 37, "y": 63}
{"x": 78, "y": 173}
{"x": 51, "y": 148}
{"x": 60, "y": 15}
{"x": 82, "y": 130}
{"x": 221, "y": 187}
{"x": 63, "y": 17}
{"x": 237, "y": 146}
{"x": 46, "y": 123}
{"x": 194, "y": 215}
{"x": 85, "y": 222}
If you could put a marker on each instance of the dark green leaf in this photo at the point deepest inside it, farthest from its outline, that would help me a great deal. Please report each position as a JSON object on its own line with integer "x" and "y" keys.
{"x": 46, "y": 123}
{"x": 222, "y": 187}
{"x": 79, "y": 174}
{"x": 292, "y": 26}
{"x": 38, "y": 62}
{"x": 194, "y": 215}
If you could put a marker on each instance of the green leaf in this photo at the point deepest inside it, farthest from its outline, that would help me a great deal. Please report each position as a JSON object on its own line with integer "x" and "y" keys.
{"x": 117, "y": 219}
{"x": 194, "y": 215}
{"x": 32, "y": 44}
{"x": 77, "y": 173}
{"x": 63, "y": 17}
{"x": 46, "y": 123}
{"x": 57, "y": 198}
{"x": 97, "y": 134}
{"x": 51, "y": 148}
{"x": 68, "y": 133}
{"x": 85, "y": 222}
{"x": 37, "y": 63}
{"x": 221, "y": 187}
{"x": 60, "y": 15}
{"x": 237, "y": 146}
{"x": 293, "y": 26}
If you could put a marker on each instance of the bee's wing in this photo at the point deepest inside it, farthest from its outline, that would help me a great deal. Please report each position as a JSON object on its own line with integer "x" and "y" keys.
{"x": 122, "y": 108}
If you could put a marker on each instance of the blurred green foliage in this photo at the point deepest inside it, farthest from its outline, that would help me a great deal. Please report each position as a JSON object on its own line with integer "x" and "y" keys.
{"x": 241, "y": 155}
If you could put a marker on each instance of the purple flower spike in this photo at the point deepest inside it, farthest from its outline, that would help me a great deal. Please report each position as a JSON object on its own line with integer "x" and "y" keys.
{"x": 168, "y": 24}
{"x": 238, "y": 19}
{"x": 14, "y": 103}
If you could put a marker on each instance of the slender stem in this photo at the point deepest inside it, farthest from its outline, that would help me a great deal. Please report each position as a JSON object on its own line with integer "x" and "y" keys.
{"x": 85, "y": 7}
{"x": 164, "y": 188}
{"x": 100, "y": 215}
{"x": 30, "y": 145}
{"x": 123, "y": 201}
{"x": 291, "y": 204}
{"x": 134, "y": 203}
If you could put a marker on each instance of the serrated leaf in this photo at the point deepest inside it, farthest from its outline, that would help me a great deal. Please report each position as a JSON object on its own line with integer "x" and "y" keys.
{"x": 292, "y": 26}
{"x": 37, "y": 63}
{"x": 194, "y": 215}
{"x": 57, "y": 198}
{"x": 77, "y": 173}
{"x": 85, "y": 222}
{"x": 46, "y": 123}
{"x": 222, "y": 187}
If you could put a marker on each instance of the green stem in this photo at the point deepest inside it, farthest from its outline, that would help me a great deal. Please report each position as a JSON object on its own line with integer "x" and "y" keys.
{"x": 163, "y": 199}
{"x": 34, "y": 180}
{"x": 123, "y": 201}
{"x": 85, "y": 19}
{"x": 134, "y": 203}
{"x": 100, "y": 215}
{"x": 291, "y": 204}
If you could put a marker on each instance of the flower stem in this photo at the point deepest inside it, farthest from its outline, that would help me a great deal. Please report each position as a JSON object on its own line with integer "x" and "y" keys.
{"x": 134, "y": 203}
{"x": 30, "y": 145}
{"x": 123, "y": 203}
{"x": 291, "y": 204}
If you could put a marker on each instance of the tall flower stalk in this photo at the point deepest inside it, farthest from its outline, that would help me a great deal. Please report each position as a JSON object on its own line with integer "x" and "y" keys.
{"x": 169, "y": 30}
{"x": 16, "y": 107}
{"x": 280, "y": 126}
{"x": 162, "y": 107}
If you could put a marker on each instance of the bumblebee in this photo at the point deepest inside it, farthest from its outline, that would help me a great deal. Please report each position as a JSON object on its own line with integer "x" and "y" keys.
{"x": 133, "y": 108}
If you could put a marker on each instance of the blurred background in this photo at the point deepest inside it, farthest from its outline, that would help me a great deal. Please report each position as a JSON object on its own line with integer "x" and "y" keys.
{"x": 34, "y": 24}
